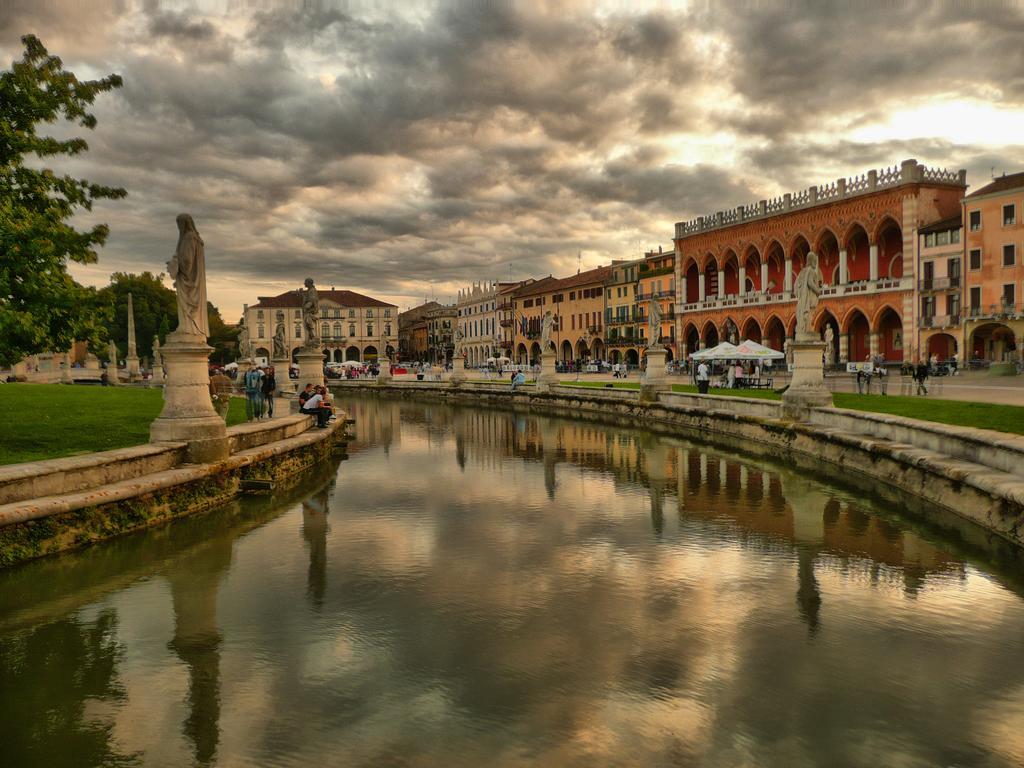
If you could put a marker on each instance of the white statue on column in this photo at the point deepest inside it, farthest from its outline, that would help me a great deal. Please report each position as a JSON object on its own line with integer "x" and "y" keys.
{"x": 547, "y": 325}
{"x": 808, "y": 290}
{"x": 187, "y": 269}
{"x": 654, "y": 316}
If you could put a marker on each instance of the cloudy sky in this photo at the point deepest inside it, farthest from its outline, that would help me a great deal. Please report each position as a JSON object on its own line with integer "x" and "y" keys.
{"x": 406, "y": 149}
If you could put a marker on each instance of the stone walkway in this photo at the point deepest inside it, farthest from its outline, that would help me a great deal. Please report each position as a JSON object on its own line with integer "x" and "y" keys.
{"x": 975, "y": 386}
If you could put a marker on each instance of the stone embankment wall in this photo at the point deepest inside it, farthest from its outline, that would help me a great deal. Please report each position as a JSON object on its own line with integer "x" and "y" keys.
{"x": 61, "y": 504}
{"x": 977, "y": 475}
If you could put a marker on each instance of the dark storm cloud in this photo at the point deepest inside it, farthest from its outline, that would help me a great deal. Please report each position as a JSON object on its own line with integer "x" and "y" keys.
{"x": 442, "y": 142}
{"x": 799, "y": 62}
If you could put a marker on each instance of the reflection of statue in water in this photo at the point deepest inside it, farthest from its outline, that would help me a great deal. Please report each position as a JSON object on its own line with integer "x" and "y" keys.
{"x": 654, "y": 316}
{"x": 808, "y": 594}
{"x": 314, "y": 531}
{"x": 808, "y": 290}
{"x": 187, "y": 268}
{"x": 547, "y": 325}
{"x": 311, "y": 314}
{"x": 280, "y": 352}
{"x": 194, "y": 586}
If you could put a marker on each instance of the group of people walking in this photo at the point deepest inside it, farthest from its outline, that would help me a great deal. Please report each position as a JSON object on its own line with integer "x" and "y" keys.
{"x": 260, "y": 384}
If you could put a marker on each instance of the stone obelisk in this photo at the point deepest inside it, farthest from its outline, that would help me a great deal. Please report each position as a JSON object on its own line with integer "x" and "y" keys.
{"x": 188, "y": 415}
{"x": 131, "y": 360}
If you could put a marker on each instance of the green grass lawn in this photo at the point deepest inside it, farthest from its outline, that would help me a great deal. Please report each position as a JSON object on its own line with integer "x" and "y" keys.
{"x": 1003, "y": 418}
{"x": 687, "y": 389}
{"x": 47, "y": 421}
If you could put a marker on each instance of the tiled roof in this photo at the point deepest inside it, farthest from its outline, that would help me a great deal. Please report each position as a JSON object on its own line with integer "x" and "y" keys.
{"x": 1002, "y": 184}
{"x": 343, "y": 298}
{"x": 547, "y": 284}
{"x": 943, "y": 225}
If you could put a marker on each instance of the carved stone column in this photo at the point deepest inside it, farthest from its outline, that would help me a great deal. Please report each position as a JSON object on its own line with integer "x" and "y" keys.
{"x": 188, "y": 414}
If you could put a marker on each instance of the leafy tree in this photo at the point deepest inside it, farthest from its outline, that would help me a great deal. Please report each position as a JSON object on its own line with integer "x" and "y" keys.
{"x": 223, "y": 337}
{"x": 154, "y": 304}
{"x": 41, "y": 306}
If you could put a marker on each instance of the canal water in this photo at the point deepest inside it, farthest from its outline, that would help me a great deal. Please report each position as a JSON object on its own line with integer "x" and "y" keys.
{"x": 486, "y": 588}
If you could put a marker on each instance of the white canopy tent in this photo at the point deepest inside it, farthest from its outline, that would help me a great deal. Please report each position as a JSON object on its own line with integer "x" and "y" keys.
{"x": 745, "y": 350}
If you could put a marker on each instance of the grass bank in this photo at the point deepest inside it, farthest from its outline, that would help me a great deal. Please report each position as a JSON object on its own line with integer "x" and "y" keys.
{"x": 961, "y": 413}
{"x": 48, "y": 421}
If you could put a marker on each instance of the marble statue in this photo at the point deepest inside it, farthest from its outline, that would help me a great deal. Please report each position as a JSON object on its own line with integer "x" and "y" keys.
{"x": 311, "y": 314}
{"x": 157, "y": 358}
{"x": 458, "y": 341}
{"x": 829, "y": 344}
{"x": 187, "y": 269}
{"x": 808, "y": 290}
{"x": 244, "y": 343}
{"x": 788, "y": 351}
{"x": 654, "y": 316}
{"x": 547, "y": 325}
{"x": 280, "y": 352}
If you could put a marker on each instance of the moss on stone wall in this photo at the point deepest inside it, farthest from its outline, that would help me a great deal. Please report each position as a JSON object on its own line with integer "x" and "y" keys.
{"x": 60, "y": 533}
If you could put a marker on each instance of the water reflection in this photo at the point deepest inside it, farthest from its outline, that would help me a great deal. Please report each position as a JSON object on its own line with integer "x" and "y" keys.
{"x": 481, "y": 587}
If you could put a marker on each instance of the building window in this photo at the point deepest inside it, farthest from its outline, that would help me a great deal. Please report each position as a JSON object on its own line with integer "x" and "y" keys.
{"x": 259, "y": 315}
{"x": 260, "y": 331}
{"x": 1009, "y": 295}
{"x": 351, "y": 329}
{"x": 975, "y": 258}
{"x": 975, "y": 220}
{"x": 1009, "y": 215}
{"x": 298, "y": 314}
{"x": 369, "y": 330}
{"x": 325, "y": 331}
{"x": 387, "y": 313}
{"x": 298, "y": 330}
{"x": 954, "y": 236}
{"x": 975, "y": 297}
{"x": 351, "y": 313}
{"x": 942, "y": 238}
{"x": 387, "y": 329}
{"x": 337, "y": 330}
{"x": 369, "y": 313}
{"x": 1009, "y": 255}
{"x": 929, "y": 240}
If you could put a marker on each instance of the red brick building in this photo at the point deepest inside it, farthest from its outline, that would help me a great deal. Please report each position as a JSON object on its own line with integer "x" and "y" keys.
{"x": 735, "y": 270}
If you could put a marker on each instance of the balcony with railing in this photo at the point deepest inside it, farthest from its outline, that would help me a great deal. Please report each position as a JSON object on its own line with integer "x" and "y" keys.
{"x": 1000, "y": 311}
{"x": 939, "y": 321}
{"x": 939, "y": 283}
{"x": 781, "y": 297}
{"x": 655, "y": 295}
{"x": 611, "y": 320}
{"x": 624, "y": 341}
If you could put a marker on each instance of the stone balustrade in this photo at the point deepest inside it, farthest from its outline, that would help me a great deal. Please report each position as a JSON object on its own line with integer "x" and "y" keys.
{"x": 908, "y": 172}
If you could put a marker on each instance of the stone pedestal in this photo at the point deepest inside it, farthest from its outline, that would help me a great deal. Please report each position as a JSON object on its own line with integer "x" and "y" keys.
{"x": 311, "y": 367}
{"x": 188, "y": 414}
{"x": 458, "y": 371}
{"x": 655, "y": 377}
{"x": 548, "y": 376}
{"x": 158, "y": 373}
{"x": 282, "y": 374}
{"x": 807, "y": 388}
{"x": 131, "y": 367}
{"x": 384, "y": 376}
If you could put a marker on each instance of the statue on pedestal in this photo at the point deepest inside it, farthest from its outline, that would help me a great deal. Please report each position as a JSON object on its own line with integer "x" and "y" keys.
{"x": 280, "y": 352}
{"x": 808, "y": 290}
{"x": 654, "y": 323}
{"x": 187, "y": 269}
{"x": 458, "y": 341}
{"x": 547, "y": 325}
{"x": 311, "y": 314}
{"x": 829, "y": 345}
{"x": 244, "y": 342}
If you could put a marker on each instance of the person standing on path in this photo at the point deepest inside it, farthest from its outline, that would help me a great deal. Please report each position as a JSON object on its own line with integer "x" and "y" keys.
{"x": 268, "y": 387}
{"x": 921, "y": 377}
{"x": 253, "y": 393}
{"x": 702, "y": 378}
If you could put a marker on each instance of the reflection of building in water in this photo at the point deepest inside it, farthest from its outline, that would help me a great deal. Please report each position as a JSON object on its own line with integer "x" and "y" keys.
{"x": 194, "y": 585}
{"x": 762, "y": 500}
{"x": 377, "y": 422}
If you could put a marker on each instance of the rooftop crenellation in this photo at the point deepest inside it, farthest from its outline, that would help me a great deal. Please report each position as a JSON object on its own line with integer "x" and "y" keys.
{"x": 907, "y": 172}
